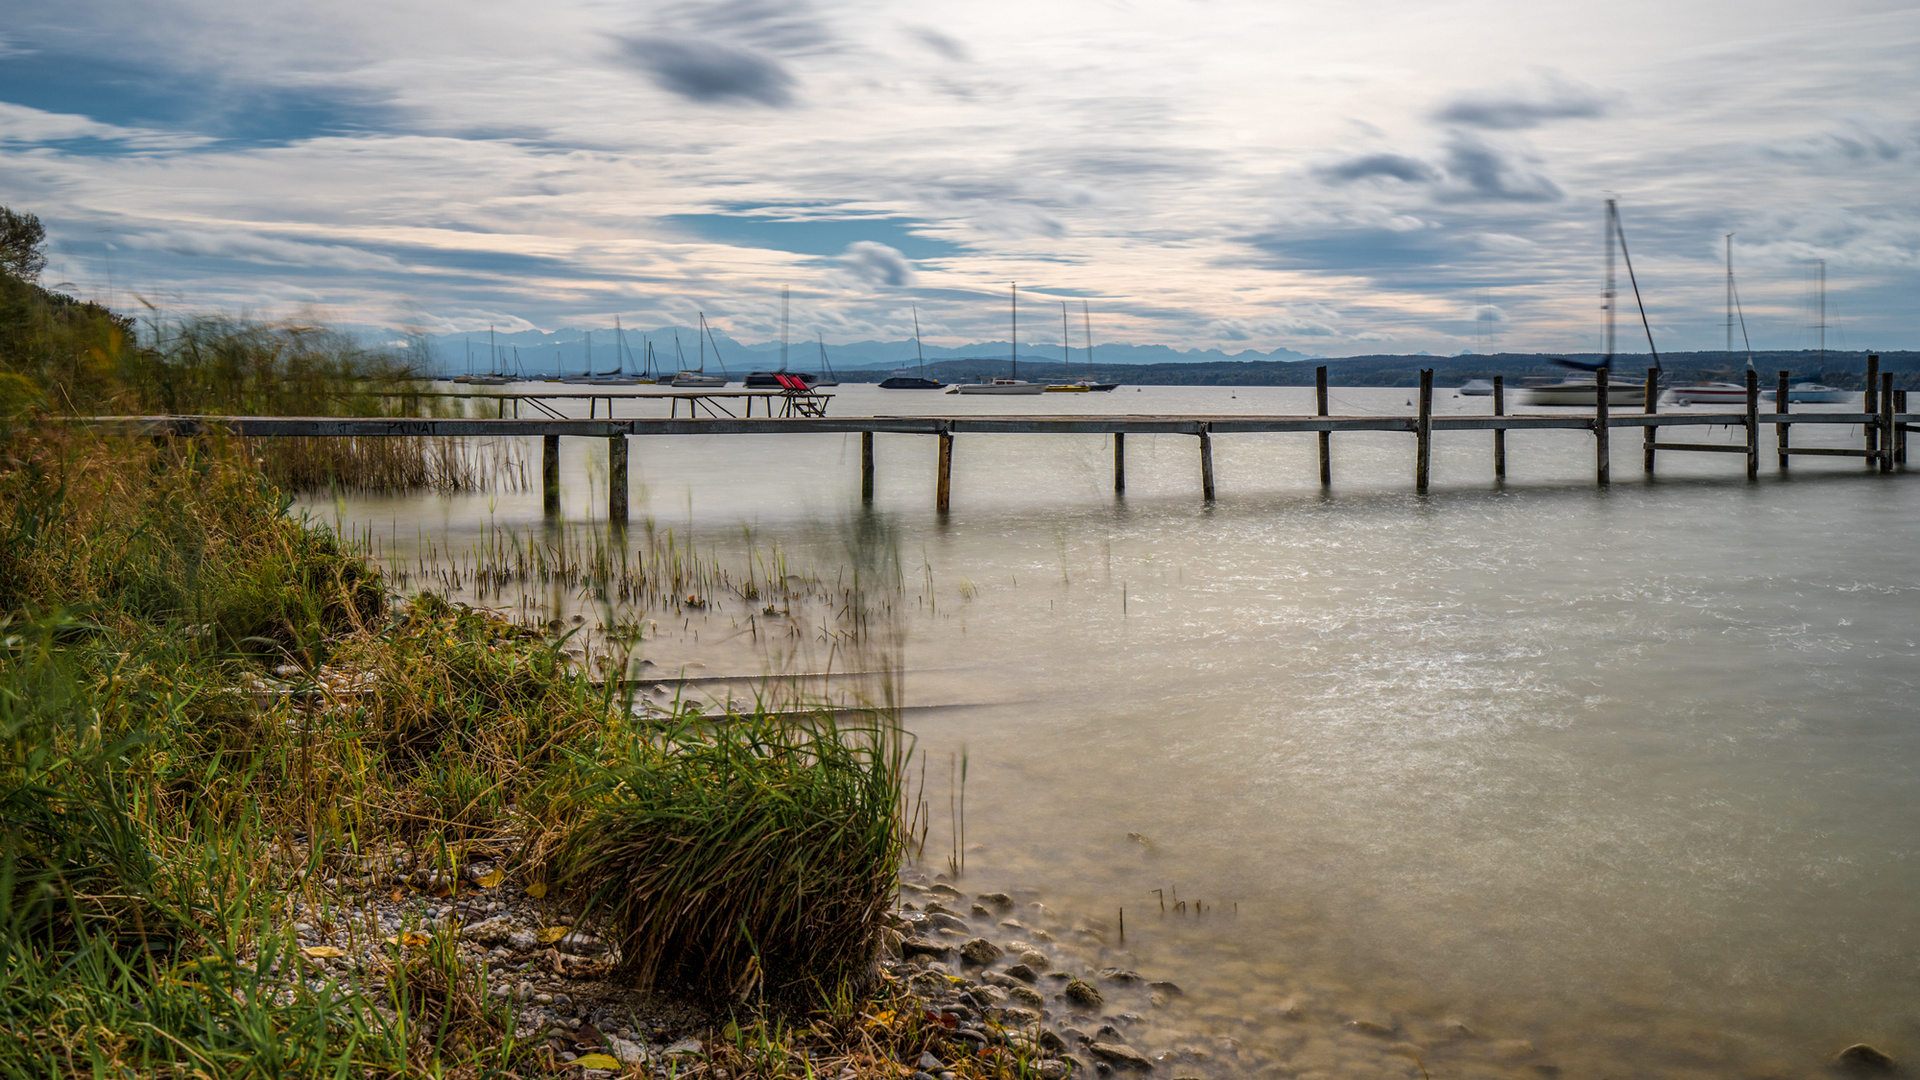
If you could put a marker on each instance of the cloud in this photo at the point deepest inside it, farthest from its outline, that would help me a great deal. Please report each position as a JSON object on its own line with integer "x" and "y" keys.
{"x": 1483, "y": 172}
{"x": 951, "y": 48}
{"x": 1284, "y": 325}
{"x": 1490, "y": 313}
{"x": 21, "y": 124}
{"x": 1524, "y": 107}
{"x": 263, "y": 249}
{"x": 711, "y": 71}
{"x": 1390, "y": 166}
{"x": 877, "y": 264}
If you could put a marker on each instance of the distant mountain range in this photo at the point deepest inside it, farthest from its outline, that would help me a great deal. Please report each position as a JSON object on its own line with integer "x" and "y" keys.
{"x": 540, "y": 352}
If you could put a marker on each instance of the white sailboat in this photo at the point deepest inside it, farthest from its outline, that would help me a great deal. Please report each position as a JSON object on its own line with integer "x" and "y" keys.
{"x": 1813, "y": 391}
{"x": 1721, "y": 392}
{"x": 1011, "y": 386}
{"x": 698, "y": 377}
{"x": 1581, "y": 385}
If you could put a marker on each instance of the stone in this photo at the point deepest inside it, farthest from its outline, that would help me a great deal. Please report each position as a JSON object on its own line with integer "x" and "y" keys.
{"x": 1121, "y": 1056}
{"x": 1109, "y": 1033}
{"x": 980, "y": 912}
{"x": 1032, "y": 958}
{"x": 687, "y": 1046}
{"x": 1053, "y": 1069}
{"x": 1014, "y": 1016}
{"x": 1048, "y": 1040}
{"x": 522, "y": 940}
{"x": 1119, "y": 975}
{"x": 628, "y": 1053}
{"x": 923, "y": 947}
{"x": 1076, "y": 1034}
{"x": 997, "y": 900}
{"x": 1084, "y": 995}
{"x": 1167, "y": 988}
{"x": 1370, "y": 1027}
{"x": 1865, "y": 1058}
{"x": 931, "y": 1064}
{"x": 1026, "y": 996}
{"x": 523, "y": 991}
{"x": 973, "y": 1036}
{"x": 940, "y": 909}
{"x": 980, "y": 952}
{"x": 948, "y": 922}
{"x": 945, "y": 891}
{"x": 1021, "y": 972}
{"x": 581, "y": 943}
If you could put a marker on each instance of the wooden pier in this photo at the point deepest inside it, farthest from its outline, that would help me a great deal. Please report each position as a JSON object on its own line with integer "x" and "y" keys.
{"x": 1885, "y": 424}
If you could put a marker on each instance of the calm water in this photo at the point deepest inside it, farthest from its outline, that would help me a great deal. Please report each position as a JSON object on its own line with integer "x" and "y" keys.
{"x": 1629, "y": 774}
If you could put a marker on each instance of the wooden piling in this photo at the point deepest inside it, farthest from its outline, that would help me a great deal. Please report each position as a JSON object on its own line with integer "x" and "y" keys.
{"x": 1783, "y": 437}
{"x": 1872, "y": 402}
{"x": 1119, "y": 463}
{"x": 617, "y": 478}
{"x": 1206, "y": 464}
{"x": 866, "y": 466}
{"x": 1326, "y": 437}
{"x": 1648, "y": 441}
{"x": 1900, "y": 430}
{"x": 1602, "y": 447}
{"x": 1753, "y": 424}
{"x": 550, "y": 475}
{"x": 1423, "y": 433}
{"x": 943, "y": 487}
{"x": 1499, "y": 434}
{"x": 1886, "y": 422}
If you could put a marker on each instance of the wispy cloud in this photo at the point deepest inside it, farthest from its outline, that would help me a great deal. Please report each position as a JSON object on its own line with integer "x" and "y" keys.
{"x": 1518, "y": 107}
{"x": 877, "y": 264}
{"x": 711, "y": 71}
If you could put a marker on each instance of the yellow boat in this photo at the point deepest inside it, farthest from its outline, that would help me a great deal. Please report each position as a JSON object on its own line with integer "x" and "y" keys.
{"x": 1068, "y": 388}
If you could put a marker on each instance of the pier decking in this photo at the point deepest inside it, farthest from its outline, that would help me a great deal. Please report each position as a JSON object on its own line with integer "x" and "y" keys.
{"x": 1885, "y": 424}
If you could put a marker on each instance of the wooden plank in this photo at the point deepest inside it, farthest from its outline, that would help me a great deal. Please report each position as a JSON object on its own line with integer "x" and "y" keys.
{"x": 1886, "y": 421}
{"x": 1710, "y": 448}
{"x": 1827, "y": 451}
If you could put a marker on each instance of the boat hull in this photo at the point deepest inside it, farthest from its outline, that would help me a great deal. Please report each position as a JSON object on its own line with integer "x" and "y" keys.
{"x": 689, "y": 378}
{"x": 1578, "y": 395}
{"x": 911, "y": 382}
{"x": 1727, "y": 394}
{"x": 1000, "y": 389}
{"x": 1818, "y": 397}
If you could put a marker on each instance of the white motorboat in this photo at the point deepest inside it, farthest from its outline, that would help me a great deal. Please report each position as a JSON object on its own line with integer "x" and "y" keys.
{"x": 1713, "y": 393}
{"x": 1477, "y": 388}
{"x": 998, "y": 386}
{"x": 1814, "y": 393}
{"x": 1577, "y": 391}
{"x": 697, "y": 378}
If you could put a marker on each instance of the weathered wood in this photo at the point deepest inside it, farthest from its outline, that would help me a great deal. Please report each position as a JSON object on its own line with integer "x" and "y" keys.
{"x": 1423, "y": 433}
{"x": 1872, "y": 401}
{"x": 1753, "y": 424}
{"x": 943, "y": 486}
{"x": 1500, "y": 434}
{"x": 1602, "y": 447}
{"x": 1886, "y": 422}
{"x": 1326, "y": 437}
{"x": 1705, "y": 447}
{"x": 1206, "y": 465}
{"x": 1826, "y": 451}
{"x": 1783, "y": 431}
{"x": 550, "y": 475}
{"x": 1653, "y": 406}
{"x": 617, "y": 486}
{"x": 1900, "y": 430}
{"x": 866, "y": 466}
{"x": 1119, "y": 463}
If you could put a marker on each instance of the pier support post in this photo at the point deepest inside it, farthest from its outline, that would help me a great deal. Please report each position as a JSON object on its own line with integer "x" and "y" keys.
{"x": 1872, "y": 402}
{"x": 1326, "y": 437}
{"x": 617, "y": 479}
{"x": 1753, "y": 424}
{"x": 1499, "y": 434}
{"x": 1119, "y": 463}
{"x": 550, "y": 475}
{"x": 1423, "y": 433}
{"x": 1647, "y": 440}
{"x": 943, "y": 487}
{"x": 1900, "y": 430}
{"x": 1602, "y": 431}
{"x": 1782, "y": 437}
{"x": 1206, "y": 464}
{"x": 866, "y": 466}
{"x": 1886, "y": 422}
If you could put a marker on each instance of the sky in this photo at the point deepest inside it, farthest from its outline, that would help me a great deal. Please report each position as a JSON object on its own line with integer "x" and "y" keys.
{"x": 1335, "y": 178}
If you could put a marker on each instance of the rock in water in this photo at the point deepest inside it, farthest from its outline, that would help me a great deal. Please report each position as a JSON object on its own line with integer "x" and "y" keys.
{"x": 1021, "y": 972}
{"x": 998, "y": 900}
{"x": 980, "y": 952}
{"x": 1054, "y": 1069}
{"x": 1121, "y": 1056}
{"x": 1866, "y": 1058}
{"x": 492, "y": 931}
{"x": 1084, "y": 995}
{"x": 1026, "y": 996}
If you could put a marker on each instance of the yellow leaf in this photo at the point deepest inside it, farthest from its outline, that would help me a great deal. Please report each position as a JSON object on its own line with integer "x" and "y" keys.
{"x": 537, "y": 890}
{"x": 493, "y": 879}
{"x": 596, "y": 1061}
{"x": 410, "y": 939}
{"x": 317, "y": 952}
{"x": 551, "y": 934}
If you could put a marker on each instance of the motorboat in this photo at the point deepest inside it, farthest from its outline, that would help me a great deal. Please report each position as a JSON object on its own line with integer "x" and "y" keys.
{"x": 697, "y": 378}
{"x": 998, "y": 386}
{"x": 1579, "y": 389}
{"x": 1481, "y": 388}
{"x": 1815, "y": 393}
{"x": 1713, "y": 393}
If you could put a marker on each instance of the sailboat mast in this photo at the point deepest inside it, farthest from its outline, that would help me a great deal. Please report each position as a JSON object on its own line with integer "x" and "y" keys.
{"x": 783, "y": 328}
{"x": 1013, "y": 312}
{"x": 1613, "y": 225}
{"x": 589, "y": 370}
{"x": 1066, "y": 359}
{"x": 493, "y": 353}
{"x": 1823, "y": 314}
{"x": 917, "y": 351}
{"x": 1729, "y": 298}
{"x": 703, "y": 342}
{"x": 1088, "y": 320}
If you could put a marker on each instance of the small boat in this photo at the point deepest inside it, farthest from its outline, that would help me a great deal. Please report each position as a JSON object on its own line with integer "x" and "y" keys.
{"x": 1815, "y": 393}
{"x": 1012, "y": 385}
{"x": 1079, "y": 386}
{"x": 1482, "y": 388}
{"x": 1068, "y": 388}
{"x": 1066, "y": 361}
{"x": 1580, "y": 387}
{"x": 913, "y": 382}
{"x": 998, "y": 386}
{"x": 827, "y": 379}
{"x": 698, "y": 377}
{"x": 1577, "y": 390}
{"x": 1713, "y": 393}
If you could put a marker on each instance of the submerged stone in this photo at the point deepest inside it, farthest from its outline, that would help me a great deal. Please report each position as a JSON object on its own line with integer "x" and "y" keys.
{"x": 1865, "y": 1058}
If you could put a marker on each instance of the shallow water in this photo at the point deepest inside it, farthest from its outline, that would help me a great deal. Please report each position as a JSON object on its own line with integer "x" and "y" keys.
{"x": 1625, "y": 773}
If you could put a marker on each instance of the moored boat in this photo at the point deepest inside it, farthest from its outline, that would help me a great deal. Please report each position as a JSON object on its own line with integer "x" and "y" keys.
{"x": 913, "y": 382}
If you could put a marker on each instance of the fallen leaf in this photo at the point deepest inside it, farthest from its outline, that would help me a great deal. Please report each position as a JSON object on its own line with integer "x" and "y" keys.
{"x": 551, "y": 934}
{"x": 399, "y": 896}
{"x": 320, "y": 952}
{"x": 411, "y": 938}
{"x": 537, "y": 890}
{"x": 493, "y": 879}
{"x": 596, "y": 1061}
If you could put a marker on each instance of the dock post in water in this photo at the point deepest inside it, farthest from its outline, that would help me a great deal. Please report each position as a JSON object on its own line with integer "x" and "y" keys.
{"x": 1602, "y": 446}
{"x": 1206, "y": 463}
{"x": 943, "y": 487}
{"x": 1423, "y": 433}
{"x": 1872, "y": 402}
{"x": 1326, "y": 437}
{"x": 617, "y": 479}
{"x": 1499, "y": 434}
{"x": 1783, "y": 438}
{"x": 1647, "y": 449}
{"x": 550, "y": 475}
{"x": 1900, "y": 430}
{"x": 866, "y": 466}
{"x": 1886, "y": 421}
{"x": 1119, "y": 463}
{"x": 1753, "y": 424}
